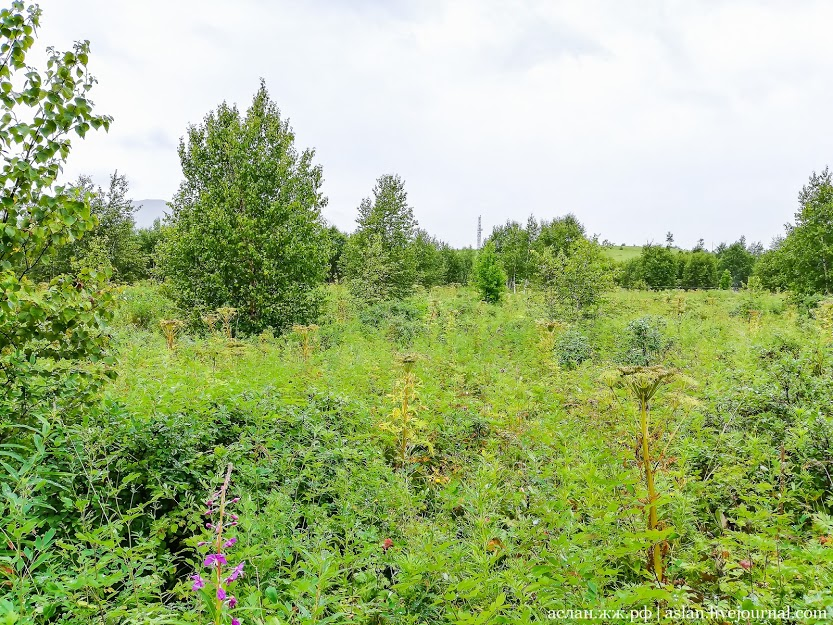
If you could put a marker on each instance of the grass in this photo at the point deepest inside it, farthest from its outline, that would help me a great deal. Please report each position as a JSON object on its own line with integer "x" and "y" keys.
{"x": 624, "y": 253}
{"x": 522, "y": 492}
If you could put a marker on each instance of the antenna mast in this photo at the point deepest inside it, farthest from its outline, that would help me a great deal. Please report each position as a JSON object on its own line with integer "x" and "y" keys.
{"x": 479, "y": 232}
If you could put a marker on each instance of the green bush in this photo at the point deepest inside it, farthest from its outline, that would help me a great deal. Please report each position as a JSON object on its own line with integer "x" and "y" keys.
{"x": 573, "y": 348}
{"x": 144, "y": 305}
{"x": 644, "y": 342}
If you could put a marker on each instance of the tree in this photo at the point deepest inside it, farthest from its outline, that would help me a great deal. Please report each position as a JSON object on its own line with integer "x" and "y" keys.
{"x": 574, "y": 280}
{"x": 53, "y": 340}
{"x": 387, "y": 229}
{"x": 430, "y": 266}
{"x": 737, "y": 260}
{"x": 246, "y": 228}
{"x": 669, "y": 239}
{"x": 112, "y": 243}
{"x": 658, "y": 267}
{"x": 513, "y": 246}
{"x": 489, "y": 275}
{"x": 559, "y": 233}
{"x": 725, "y": 280}
{"x": 458, "y": 264}
{"x": 337, "y": 242}
{"x": 802, "y": 260}
{"x": 700, "y": 271}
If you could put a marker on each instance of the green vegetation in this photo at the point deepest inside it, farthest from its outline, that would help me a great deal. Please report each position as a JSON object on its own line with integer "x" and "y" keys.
{"x": 244, "y": 416}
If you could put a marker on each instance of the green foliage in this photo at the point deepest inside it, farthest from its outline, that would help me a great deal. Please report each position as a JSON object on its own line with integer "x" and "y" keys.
{"x": 737, "y": 259}
{"x": 644, "y": 341}
{"x": 658, "y": 267}
{"x": 572, "y": 348}
{"x": 574, "y": 280}
{"x": 53, "y": 341}
{"x": 144, "y": 305}
{"x": 700, "y": 271}
{"x": 725, "y": 282}
{"x": 489, "y": 275}
{"x": 379, "y": 258}
{"x": 246, "y": 228}
{"x": 112, "y": 245}
{"x": 803, "y": 260}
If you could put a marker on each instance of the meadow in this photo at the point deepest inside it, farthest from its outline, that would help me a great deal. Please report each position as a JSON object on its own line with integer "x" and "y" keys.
{"x": 509, "y": 486}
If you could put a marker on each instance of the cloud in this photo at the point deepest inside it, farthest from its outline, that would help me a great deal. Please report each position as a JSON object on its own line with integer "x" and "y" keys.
{"x": 704, "y": 119}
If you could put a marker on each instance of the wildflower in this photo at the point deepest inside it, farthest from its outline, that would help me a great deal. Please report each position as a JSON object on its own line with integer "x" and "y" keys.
{"x": 237, "y": 572}
{"x": 229, "y": 543}
{"x": 235, "y": 500}
{"x": 232, "y": 601}
{"x": 235, "y": 621}
{"x": 199, "y": 582}
{"x": 745, "y": 564}
{"x": 214, "y": 559}
{"x": 221, "y": 593}
{"x": 387, "y": 544}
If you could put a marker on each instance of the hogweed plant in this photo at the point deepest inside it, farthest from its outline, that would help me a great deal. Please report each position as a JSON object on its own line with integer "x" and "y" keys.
{"x": 407, "y": 429}
{"x": 170, "y": 328}
{"x": 215, "y": 587}
{"x": 643, "y": 383}
{"x": 306, "y": 334}
{"x": 227, "y": 315}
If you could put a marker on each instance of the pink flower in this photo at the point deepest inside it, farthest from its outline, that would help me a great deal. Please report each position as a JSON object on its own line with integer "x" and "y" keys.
{"x": 230, "y": 542}
{"x": 232, "y": 601}
{"x": 745, "y": 564}
{"x": 221, "y": 593}
{"x": 214, "y": 559}
{"x": 235, "y": 621}
{"x": 387, "y": 544}
{"x": 237, "y": 572}
{"x": 199, "y": 582}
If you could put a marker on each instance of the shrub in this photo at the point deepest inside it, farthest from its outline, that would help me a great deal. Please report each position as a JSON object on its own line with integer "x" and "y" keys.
{"x": 573, "y": 348}
{"x": 489, "y": 275}
{"x": 644, "y": 342}
{"x": 144, "y": 305}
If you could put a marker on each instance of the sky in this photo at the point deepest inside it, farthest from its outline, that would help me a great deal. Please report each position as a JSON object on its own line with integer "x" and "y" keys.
{"x": 699, "y": 118}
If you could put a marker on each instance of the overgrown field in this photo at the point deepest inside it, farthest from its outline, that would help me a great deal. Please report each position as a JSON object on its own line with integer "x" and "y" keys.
{"x": 510, "y": 485}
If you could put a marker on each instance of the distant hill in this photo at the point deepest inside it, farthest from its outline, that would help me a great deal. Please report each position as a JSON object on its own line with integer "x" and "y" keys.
{"x": 623, "y": 253}
{"x": 149, "y": 210}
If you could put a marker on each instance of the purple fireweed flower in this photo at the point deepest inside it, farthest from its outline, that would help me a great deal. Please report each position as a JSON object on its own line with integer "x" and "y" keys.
{"x": 199, "y": 582}
{"x": 235, "y": 621}
{"x": 232, "y": 601}
{"x": 221, "y": 593}
{"x": 209, "y": 526}
{"x": 214, "y": 559}
{"x": 234, "y": 517}
{"x": 237, "y": 572}
{"x": 229, "y": 543}
{"x": 202, "y": 543}
{"x": 235, "y": 500}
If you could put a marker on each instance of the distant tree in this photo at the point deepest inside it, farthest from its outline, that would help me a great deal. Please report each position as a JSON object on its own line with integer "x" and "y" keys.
{"x": 337, "y": 242}
{"x": 148, "y": 240}
{"x": 513, "y": 245}
{"x": 560, "y": 233}
{"x": 700, "y": 247}
{"x": 725, "y": 282}
{"x": 737, "y": 259}
{"x": 700, "y": 271}
{"x": 246, "y": 227}
{"x": 489, "y": 275}
{"x": 387, "y": 228}
{"x": 658, "y": 267}
{"x": 430, "y": 264}
{"x": 803, "y": 260}
{"x": 458, "y": 264}
{"x": 669, "y": 239}
{"x": 112, "y": 244}
{"x": 573, "y": 280}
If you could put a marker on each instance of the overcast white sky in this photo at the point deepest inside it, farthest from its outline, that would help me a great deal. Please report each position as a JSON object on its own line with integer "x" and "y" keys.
{"x": 704, "y": 118}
